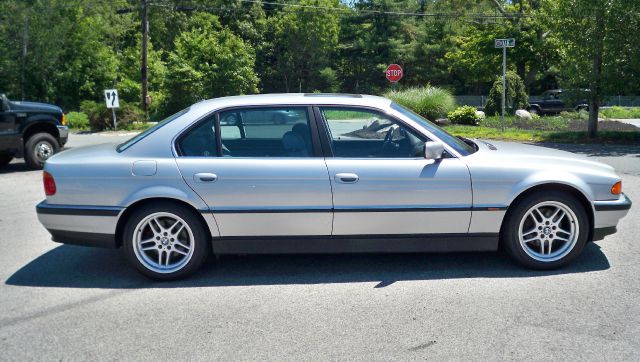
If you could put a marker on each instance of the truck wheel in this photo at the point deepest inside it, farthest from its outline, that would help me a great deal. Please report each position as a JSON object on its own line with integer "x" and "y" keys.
{"x": 39, "y": 148}
{"x": 5, "y": 158}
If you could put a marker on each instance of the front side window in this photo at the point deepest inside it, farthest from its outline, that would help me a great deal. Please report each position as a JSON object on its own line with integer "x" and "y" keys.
{"x": 360, "y": 133}
{"x": 266, "y": 132}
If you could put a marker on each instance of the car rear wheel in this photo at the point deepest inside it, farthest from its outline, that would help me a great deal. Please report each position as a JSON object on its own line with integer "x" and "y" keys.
{"x": 39, "y": 148}
{"x": 5, "y": 158}
{"x": 166, "y": 241}
{"x": 546, "y": 230}
{"x": 535, "y": 111}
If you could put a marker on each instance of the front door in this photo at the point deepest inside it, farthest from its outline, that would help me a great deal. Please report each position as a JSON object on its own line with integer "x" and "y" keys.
{"x": 383, "y": 185}
{"x": 265, "y": 178}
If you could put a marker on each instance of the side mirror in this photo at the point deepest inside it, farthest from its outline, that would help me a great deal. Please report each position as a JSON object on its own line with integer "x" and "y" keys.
{"x": 433, "y": 150}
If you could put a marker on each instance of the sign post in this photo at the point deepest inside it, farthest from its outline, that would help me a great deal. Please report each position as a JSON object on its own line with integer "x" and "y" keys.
{"x": 504, "y": 44}
{"x": 111, "y": 98}
{"x": 394, "y": 73}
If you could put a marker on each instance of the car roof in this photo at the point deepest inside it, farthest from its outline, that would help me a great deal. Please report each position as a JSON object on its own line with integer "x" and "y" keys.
{"x": 295, "y": 99}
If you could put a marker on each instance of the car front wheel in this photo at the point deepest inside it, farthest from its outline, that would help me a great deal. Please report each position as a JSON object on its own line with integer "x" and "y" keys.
{"x": 546, "y": 230}
{"x": 166, "y": 241}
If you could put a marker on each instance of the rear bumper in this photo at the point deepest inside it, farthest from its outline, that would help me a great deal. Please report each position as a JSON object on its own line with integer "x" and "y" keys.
{"x": 80, "y": 224}
{"x": 64, "y": 135}
{"x": 84, "y": 239}
{"x": 607, "y": 214}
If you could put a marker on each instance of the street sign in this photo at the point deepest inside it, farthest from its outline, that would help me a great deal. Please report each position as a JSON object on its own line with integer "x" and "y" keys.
{"x": 505, "y": 43}
{"x": 394, "y": 73}
{"x": 111, "y": 97}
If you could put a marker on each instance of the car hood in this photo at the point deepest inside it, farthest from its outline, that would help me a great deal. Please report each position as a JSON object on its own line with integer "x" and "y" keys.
{"x": 535, "y": 155}
{"x": 35, "y": 107}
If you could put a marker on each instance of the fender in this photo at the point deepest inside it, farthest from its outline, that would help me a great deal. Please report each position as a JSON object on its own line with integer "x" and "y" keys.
{"x": 551, "y": 177}
{"x": 168, "y": 192}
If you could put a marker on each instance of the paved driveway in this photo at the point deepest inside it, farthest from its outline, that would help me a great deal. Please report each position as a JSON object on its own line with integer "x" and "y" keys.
{"x": 63, "y": 302}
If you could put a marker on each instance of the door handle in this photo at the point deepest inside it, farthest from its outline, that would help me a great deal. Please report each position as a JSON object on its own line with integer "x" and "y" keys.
{"x": 205, "y": 177}
{"x": 347, "y": 178}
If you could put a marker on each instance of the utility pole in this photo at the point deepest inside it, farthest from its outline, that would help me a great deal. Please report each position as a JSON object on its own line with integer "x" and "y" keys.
{"x": 143, "y": 69}
{"x": 25, "y": 39}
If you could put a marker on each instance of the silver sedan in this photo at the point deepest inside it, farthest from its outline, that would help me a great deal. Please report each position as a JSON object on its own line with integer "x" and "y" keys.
{"x": 345, "y": 173}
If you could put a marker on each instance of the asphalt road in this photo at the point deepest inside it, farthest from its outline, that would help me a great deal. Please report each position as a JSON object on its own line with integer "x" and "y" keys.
{"x": 63, "y": 302}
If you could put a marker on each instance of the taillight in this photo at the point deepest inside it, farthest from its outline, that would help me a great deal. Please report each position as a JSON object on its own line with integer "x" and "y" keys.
{"x": 616, "y": 189}
{"x": 49, "y": 184}
{"x": 64, "y": 119}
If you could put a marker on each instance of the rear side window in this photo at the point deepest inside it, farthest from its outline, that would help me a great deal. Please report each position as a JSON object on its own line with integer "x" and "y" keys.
{"x": 132, "y": 141}
{"x": 266, "y": 132}
{"x": 199, "y": 141}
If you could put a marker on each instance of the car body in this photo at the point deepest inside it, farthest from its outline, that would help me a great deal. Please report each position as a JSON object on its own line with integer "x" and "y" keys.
{"x": 361, "y": 174}
{"x": 554, "y": 101}
{"x": 33, "y": 130}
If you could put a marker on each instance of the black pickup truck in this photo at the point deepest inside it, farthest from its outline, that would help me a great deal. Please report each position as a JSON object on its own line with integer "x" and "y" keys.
{"x": 31, "y": 130}
{"x": 557, "y": 100}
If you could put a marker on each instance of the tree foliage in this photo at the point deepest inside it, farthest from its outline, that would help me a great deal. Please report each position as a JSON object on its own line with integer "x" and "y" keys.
{"x": 210, "y": 48}
{"x": 515, "y": 96}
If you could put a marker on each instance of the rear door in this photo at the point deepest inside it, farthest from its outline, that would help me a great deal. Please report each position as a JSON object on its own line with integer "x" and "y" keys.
{"x": 383, "y": 185}
{"x": 264, "y": 178}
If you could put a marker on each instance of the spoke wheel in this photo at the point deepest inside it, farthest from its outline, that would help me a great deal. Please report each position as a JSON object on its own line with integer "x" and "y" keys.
{"x": 548, "y": 231}
{"x": 545, "y": 230}
{"x": 163, "y": 242}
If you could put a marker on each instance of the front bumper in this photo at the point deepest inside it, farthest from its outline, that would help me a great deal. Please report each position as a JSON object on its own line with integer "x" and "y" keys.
{"x": 80, "y": 224}
{"x": 64, "y": 135}
{"x": 607, "y": 214}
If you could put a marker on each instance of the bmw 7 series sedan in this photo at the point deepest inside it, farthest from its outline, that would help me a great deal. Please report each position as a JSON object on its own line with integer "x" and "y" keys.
{"x": 343, "y": 173}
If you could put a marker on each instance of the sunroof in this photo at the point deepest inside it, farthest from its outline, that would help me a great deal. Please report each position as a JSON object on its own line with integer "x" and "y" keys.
{"x": 333, "y": 95}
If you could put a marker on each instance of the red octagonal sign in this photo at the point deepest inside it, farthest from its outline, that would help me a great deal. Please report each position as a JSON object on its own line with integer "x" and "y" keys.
{"x": 394, "y": 73}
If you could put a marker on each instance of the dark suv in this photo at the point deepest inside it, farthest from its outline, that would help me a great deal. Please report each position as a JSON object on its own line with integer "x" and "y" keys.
{"x": 32, "y": 130}
{"x": 558, "y": 100}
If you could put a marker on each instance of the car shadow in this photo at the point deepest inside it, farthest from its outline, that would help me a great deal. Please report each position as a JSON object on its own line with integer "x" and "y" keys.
{"x": 80, "y": 267}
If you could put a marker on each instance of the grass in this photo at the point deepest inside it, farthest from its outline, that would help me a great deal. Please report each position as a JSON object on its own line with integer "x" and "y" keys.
{"x": 523, "y": 135}
{"x": 429, "y": 102}
{"x": 621, "y": 112}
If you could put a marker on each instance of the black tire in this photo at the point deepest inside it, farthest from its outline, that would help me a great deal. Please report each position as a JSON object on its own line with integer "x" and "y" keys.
{"x": 201, "y": 242}
{"x": 535, "y": 111}
{"x": 5, "y": 158}
{"x": 510, "y": 234}
{"x": 39, "y": 148}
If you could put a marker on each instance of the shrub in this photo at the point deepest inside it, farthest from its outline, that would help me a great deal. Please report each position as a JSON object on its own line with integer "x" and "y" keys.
{"x": 464, "y": 115}
{"x": 515, "y": 98}
{"x": 101, "y": 118}
{"x": 77, "y": 121}
{"x": 429, "y": 102}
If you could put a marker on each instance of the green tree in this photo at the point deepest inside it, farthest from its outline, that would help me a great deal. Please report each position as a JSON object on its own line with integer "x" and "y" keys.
{"x": 598, "y": 48}
{"x": 208, "y": 61}
{"x": 515, "y": 95}
{"x": 303, "y": 43}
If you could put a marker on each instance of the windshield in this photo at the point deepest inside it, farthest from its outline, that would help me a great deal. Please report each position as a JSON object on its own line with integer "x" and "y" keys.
{"x": 456, "y": 143}
{"x": 132, "y": 141}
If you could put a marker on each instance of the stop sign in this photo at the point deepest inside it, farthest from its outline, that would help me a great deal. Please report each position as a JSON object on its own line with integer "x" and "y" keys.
{"x": 394, "y": 72}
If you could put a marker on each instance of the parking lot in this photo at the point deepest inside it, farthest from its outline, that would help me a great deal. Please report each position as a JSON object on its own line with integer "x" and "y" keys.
{"x": 63, "y": 302}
